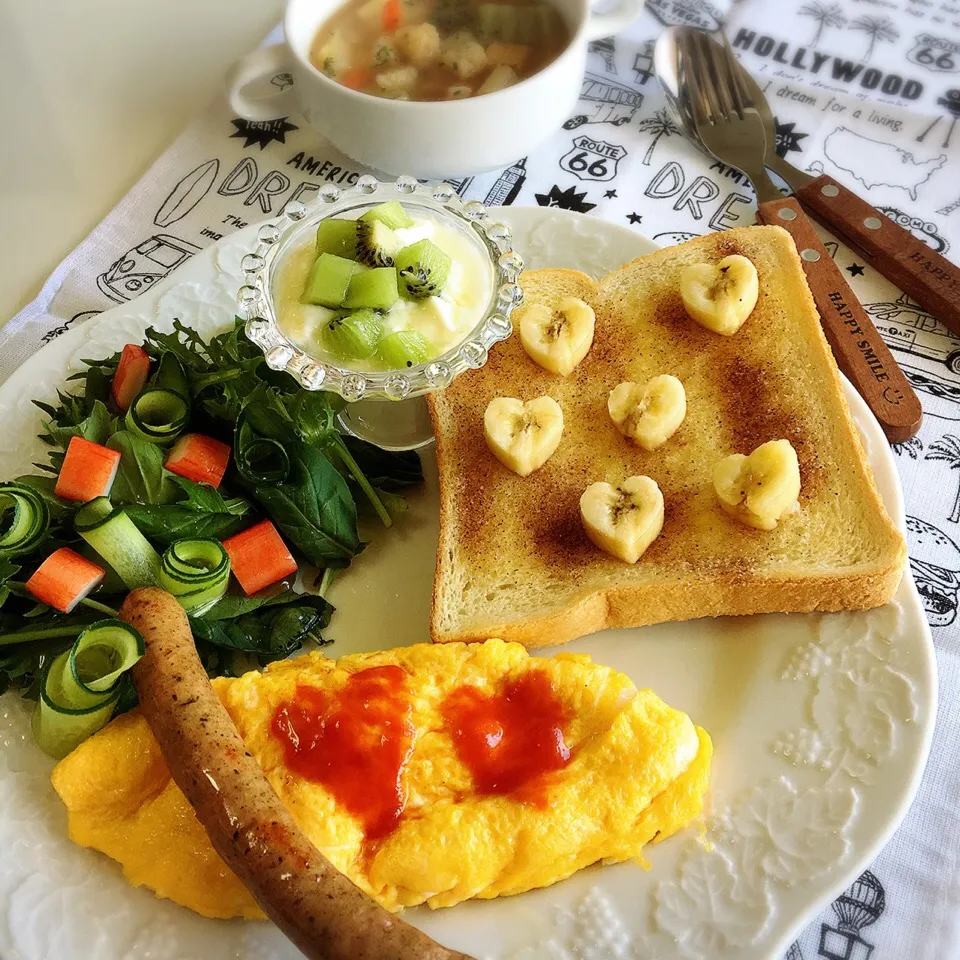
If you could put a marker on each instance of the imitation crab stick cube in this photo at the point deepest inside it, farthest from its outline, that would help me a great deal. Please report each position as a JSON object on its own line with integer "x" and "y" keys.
{"x": 199, "y": 458}
{"x": 64, "y": 579}
{"x": 131, "y": 375}
{"x": 259, "y": 557}
{"x": 88, "y": 471}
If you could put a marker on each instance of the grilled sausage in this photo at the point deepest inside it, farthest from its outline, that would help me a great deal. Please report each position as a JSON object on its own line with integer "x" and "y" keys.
{"x": 316, "y": 906}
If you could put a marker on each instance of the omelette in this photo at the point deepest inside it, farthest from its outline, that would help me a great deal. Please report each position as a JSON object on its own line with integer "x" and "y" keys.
{"x": 427, "y": 774}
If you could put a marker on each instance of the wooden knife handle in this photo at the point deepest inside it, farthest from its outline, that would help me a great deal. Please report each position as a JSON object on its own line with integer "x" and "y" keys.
{"x": 931, "y": 279}
{"x": 859, "y": 350}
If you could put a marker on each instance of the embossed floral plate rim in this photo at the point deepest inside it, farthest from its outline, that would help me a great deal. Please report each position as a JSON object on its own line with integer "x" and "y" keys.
{"x": 797, "y": 811}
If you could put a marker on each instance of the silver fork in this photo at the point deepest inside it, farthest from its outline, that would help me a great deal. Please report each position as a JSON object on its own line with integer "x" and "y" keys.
{"x": 725, "y": 119}
{"x": 729, "y": 126}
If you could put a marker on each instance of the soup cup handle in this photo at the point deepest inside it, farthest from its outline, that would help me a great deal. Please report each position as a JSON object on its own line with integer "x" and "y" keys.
{"x": 612, "y": 21}
{"x": 271, "y": 63}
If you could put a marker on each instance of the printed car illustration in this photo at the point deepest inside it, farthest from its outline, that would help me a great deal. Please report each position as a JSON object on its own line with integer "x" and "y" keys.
{"x": 602, "y": 101}
{"x": 143, "y": 265}
{"x": 908, "y": 328}
{"x": 935, "y": 564}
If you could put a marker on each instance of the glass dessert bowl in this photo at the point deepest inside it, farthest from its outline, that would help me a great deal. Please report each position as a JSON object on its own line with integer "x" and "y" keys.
{"x": 381, "y": 293}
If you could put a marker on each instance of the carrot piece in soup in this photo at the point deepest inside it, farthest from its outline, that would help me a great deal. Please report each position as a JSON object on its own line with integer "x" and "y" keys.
{"x": 391, "y": 16}
{"x": 357, "y": 78}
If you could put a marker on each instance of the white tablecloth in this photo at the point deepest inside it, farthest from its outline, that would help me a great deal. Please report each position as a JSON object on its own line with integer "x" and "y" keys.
{"x": 865, "y": 90}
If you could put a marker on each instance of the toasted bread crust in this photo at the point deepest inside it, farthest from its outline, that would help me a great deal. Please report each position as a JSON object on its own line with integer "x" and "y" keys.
{"x": 506, "y": 543}
{"x": 649, "y": 604}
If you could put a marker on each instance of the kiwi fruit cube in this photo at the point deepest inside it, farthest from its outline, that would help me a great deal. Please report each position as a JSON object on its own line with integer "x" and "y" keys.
{"x": 423, "y": 269}
{"x": 375, "y": 289}
{"x": 406, "y": 348}
{"x": 390, "y": 213}
{"x": 337, "y": 236}
{"x": 328, "y": 280}
{"x": 354, "y": 336}
{"x": 376, "y": 243}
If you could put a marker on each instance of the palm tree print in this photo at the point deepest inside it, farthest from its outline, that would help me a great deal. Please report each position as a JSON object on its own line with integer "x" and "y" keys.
{"x": 660, "y": 125}
{"x": 876, "y": 28}
{"x": 825, "y": 15}
{"x": 911, "y": 447}
{"x": 948, "y": 450}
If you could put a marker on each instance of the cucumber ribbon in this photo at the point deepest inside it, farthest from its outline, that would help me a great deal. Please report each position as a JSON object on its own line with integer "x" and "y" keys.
{"x": 24, "y": 519}
{"x": 195, "y": 572}
{"x": 158, "y": 415}
{"x": 116, "y": 538}
{"x": 82, "y": 685}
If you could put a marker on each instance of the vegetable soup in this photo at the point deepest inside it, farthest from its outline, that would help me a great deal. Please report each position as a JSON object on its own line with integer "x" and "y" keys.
{"x": 437, "y": 49}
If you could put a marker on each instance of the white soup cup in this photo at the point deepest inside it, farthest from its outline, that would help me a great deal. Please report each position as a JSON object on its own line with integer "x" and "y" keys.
{"x": 430, "y": 140}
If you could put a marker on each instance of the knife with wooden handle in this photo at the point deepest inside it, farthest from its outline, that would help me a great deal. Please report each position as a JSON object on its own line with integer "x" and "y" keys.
{"x": 894, "y": 252}
{"x": 857, "y": 346}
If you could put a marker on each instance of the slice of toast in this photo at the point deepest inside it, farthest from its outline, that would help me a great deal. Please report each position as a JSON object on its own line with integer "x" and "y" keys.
{"x": 513, "y": 560}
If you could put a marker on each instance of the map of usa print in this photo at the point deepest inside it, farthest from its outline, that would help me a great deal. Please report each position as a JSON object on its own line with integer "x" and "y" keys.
{"x": 875, "y": 163}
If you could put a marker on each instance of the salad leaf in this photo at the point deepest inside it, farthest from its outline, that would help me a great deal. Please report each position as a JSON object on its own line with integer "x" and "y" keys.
{"x": 312, "y": 507}
{"x": 141, "y": 477}
{"x": 313, "y": 414}
{"x": 8, "y": 569}
{"x": 71, "y": 410}
{"x": 165, "y": 523}
{"x": 259, "y": 443}
{"x": 98, "y": 378}
{"x": 289, "y": 459}
{"x": 43, "y": 624}
{"x": 385, "y": 469}
{"x": 96, "y": 426}
{"x": 45, "y": 487}
{"x": 203, "y": 513}
{"x": 203, "y": 497}
{"x": 222, "y": 373}
{"x": 23, "y": 666}
{"x": 274, "y": 627}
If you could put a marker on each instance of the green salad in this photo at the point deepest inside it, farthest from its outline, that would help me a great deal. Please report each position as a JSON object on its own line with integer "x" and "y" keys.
{"x": 189, "y": 465}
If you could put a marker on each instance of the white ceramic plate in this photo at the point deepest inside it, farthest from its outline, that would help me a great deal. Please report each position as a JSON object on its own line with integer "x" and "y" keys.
{"x": 821, "y": 723}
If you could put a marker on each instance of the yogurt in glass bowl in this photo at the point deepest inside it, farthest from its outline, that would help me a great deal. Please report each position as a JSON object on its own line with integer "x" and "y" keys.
{"x": 371, "y": 322}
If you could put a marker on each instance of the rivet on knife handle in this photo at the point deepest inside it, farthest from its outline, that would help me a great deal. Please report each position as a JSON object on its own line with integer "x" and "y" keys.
{"x": 931, "y": 279}
{"x": 859, "y": 350}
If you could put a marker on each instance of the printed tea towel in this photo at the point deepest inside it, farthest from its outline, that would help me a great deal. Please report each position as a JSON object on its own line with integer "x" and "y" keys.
{"x": 865, "y": 90}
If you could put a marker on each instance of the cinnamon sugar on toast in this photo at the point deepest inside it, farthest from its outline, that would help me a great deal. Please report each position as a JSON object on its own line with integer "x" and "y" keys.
{"x": 513, "y": 559}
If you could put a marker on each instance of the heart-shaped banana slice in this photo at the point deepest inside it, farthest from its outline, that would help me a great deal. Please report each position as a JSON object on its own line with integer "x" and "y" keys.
{"x": 720, "y": 296}
{"x": 651, "y": 413}
{"x": 523, "y": 436}
{"x": 623, "y": 520}
{"x": 558, "y": 339}
{"x": 758, "y": 490}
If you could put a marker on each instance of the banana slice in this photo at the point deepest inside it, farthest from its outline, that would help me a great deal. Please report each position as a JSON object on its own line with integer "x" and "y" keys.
{"x": 720, "y": 297}
{"x": 651, "y": 413}
{"x": 623, "y": 520}
{"x": 558, "y": 339}
{"x": 523, "y": 436}
{"x": 758, "y": 490}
